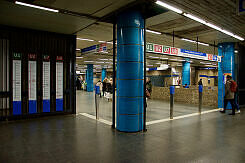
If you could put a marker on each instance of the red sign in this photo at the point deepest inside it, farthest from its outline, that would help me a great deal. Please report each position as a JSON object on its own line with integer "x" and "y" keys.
{"x": 174, "y": 51}
{"x": 32, "y": 56}
{"x": 158, "y": 48}
{"x": 59, "y": 58}
{"x": 210, "y": 57}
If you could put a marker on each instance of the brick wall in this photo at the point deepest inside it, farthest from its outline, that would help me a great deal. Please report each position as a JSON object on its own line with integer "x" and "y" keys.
{"x": 188, "y": 95}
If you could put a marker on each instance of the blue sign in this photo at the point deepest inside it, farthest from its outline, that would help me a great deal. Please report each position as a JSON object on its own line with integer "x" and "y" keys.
{"x": 193, "y": 52}
{"x": 91, "y": 48}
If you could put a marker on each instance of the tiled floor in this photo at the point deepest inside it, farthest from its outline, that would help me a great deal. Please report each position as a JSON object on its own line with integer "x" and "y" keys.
{"x": 156, "y": 109}
{"x": 212, "y": 137}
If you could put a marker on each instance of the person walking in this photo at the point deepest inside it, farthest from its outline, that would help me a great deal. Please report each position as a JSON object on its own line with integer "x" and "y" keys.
{"x": 230, "y": 89}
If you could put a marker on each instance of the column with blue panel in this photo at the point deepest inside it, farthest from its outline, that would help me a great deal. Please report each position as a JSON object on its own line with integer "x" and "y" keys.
{"x": 103, "y": 74}
{"x": 59, "y": 83}
{"x": 130, "y": 71}
{"x": 186, "y": 67}
{"x": 32, "y": 83}
{"x": 17, "y": 83}
{"x": 226, "y": 66}
{"x": 46, "y": 83}
{"x": 90, "y": 77}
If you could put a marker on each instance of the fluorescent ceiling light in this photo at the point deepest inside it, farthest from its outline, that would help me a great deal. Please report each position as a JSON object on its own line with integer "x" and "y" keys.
{"x": 164, "y": 58}
{"x": 194, "y": 18}
{"x": 35, "y": 6}
{"x": 188, "y": 40}
{"x": 101, "y": 41}
{"x": 150, "y": 31}
{"x": 78, "y": 49}
{"x": 99, "y": 62}
{"x": 84, "y": 39}
{"x": 88, "y": 61}
{"x": 184, "y": 39}
{"x": 169, "y": 7}
{"x": 213, "y": 26}
{"x": 158, "y": 63}
{"x": 109, "y": 42}
{"x": 173, "y": 59}
{"x": 150, "y": 65}
{"x": 153, "y": 57}
{"x": 201, "y": 43}
{"x": 104, "y": 59}
{"x": 79, "y": 57}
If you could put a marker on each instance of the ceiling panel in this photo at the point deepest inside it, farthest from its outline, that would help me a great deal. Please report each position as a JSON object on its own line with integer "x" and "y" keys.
{"x": 21, "y": 16}
{"x": 91, "y": 7}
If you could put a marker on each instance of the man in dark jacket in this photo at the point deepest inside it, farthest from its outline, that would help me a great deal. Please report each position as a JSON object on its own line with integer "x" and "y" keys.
{"x": 229, "y": 95}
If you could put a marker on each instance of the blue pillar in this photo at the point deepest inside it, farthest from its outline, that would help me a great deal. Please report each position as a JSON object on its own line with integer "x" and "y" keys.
{"x": 103, "y": 74}
{"x": 90, "y": 74}
{"x": 227, "y": 65}
{"x": 186, "y": 66}
{"x": 130, "y": 71}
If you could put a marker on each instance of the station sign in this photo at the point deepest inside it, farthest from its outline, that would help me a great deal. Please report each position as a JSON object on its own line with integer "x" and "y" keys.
{"x": 100, "y": 48}
{"x": 161, "y": 49}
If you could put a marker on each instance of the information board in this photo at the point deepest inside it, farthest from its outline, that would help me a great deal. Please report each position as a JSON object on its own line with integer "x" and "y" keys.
{"x": 16, "y": 84}
{"x": 32, "y": 83}
{"x": 46, "y": 84}
{"x": 161, "y": 49}
{"x": 59, "y": 83}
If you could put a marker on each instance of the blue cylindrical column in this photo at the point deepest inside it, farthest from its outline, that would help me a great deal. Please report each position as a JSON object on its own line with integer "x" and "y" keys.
{"x": 186, "y": 66}
{"x": 103, "y": 74}
{"x": 130, "y": 71}
{"x": 226, "y": 66}
{"x": 90, "y": 74}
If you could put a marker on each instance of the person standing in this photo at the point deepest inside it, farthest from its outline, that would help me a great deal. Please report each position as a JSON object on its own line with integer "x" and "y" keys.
{"x": 99, "y": 84}
{"x": 229, "y": 94}
{"x": 104, "y": 86}
{"x": 200, "y": 82}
